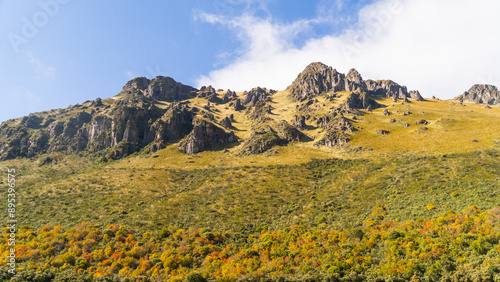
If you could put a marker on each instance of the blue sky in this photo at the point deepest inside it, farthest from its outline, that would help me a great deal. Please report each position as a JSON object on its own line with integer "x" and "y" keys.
{"x": 54, "y": 53}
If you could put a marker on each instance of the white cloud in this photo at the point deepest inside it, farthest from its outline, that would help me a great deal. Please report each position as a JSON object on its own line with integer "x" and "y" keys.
{"x": 438, "y": 47}
{"x": 42, "y": 70}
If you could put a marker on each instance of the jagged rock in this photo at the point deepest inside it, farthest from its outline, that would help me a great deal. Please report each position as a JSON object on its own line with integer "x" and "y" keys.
{"x": 337, "y": 133}
{"x": 140, "y": 83}
{"x": 415, "y": 94}
{"x": 231, "y": 117}
{"x": 299, "y": 121}
{"x": 406, "y": 125}
{"x": 236, "y": 104}
{"x": 167, "y": 89}
{"x": 175, "y": 123}
{"x": 226, "y": 122}
{"x": 481, "y": 94}
{"x": 392, "y": 120}
{"x": 334, "y": 137}
{"x": 96, "y": 103}
{"x": 260, "y": 112}
{"x": 359, "y": 100}
{"x": 422, "y": 121}
{"x": 256, "y": 95}
{"x": 390, "y": 89}
{"x": 316, "y": 79}
{"x": 487, "y": 107}
{"x": 354, "y": 81}
{"x": 259, "y": 142}
{"x": 208, "y": 115}
{"x": 32, "y": 121}
{"x": 386, "y": 112}
{"x": 289, "y": 133}
{"x": 228, "y": 96}
{"x": 382, "y": 132}
{"x": 205, "y": 135}
{"x": 207, "y": 89}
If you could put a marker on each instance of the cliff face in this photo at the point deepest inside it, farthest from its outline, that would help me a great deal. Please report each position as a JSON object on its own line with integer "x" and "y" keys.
{"x": 133, "y": 118}
{"x": 481, "y": 94}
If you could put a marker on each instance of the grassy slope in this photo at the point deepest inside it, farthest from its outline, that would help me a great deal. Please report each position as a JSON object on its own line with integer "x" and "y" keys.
{"x": 406, "y": 169}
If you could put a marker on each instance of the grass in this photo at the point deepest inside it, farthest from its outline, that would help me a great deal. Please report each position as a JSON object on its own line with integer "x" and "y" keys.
{"x": 185, "y": 191}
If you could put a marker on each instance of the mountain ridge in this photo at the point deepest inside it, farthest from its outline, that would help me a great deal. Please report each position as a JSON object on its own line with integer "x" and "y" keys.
{"x": 150, "y": 114}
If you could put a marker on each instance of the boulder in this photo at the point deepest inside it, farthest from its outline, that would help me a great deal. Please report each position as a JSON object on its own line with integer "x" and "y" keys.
{"x": 382, "y": 132}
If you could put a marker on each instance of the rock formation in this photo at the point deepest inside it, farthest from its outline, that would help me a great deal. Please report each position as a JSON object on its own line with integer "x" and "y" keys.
{"x": 319, "y": 78}
{"x": 205, "y": 135}
{"x": 481, "y": 94}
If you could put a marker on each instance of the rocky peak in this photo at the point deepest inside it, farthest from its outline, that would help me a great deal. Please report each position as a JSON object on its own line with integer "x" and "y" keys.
{"x": 255, "y": 95}
{"x": 354, "y": 76}
{"x": 354, "y": 81}
{"x": 140, "y": 83}
{"x": 482, "y": 94}
{"x": 315, "y": 79}
{"x": 167, "y": 89}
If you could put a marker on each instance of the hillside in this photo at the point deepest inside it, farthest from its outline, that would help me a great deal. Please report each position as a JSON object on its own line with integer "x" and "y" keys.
{"x": 331, "y": 155}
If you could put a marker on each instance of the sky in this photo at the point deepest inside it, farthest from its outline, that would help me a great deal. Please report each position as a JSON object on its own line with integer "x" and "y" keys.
{"x": 56, "y": 53}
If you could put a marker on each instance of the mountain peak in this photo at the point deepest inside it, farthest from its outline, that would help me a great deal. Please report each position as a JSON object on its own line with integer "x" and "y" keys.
{"x": 318, "y": 78}
{"x": 354, "y": 76}
{"x": 162, "y": 88}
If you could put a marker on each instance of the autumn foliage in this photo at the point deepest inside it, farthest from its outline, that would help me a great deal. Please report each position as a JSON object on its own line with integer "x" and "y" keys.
{"x": 452, "y": 247}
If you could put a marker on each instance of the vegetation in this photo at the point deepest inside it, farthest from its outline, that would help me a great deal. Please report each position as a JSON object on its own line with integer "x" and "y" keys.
{"x": 452, "y": 247}
{"x": 417, "y": 204}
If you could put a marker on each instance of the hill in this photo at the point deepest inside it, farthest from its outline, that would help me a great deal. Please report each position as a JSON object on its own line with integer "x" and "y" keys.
{"x": 335, "y": 173}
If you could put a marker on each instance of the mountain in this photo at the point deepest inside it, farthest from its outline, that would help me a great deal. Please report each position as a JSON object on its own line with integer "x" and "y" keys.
{"x": 481, "y": 94}
{"x": 149, "y": 114}
{"x": 335, "y": 178}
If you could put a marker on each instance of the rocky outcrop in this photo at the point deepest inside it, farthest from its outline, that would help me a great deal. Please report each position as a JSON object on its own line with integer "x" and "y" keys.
{"x": 256, "y": 95}
{"x": 161, "y": 88}
{"x": 354, "y": 81}
{"x": 205, "y": 135}
{"x": 359, "y": 100}
{"x": 259, "y": 142}
{"x": 338, "y": 130}
{"x": 382, "y": 132}
{"x": 229, "y": 96}
{"x": 391, "y": 89}
{"x": 226, "y": 122}
{"x": 175, "y": 123}
{"x": 133, "y": 119}
{"x": 316, "y": 79}
{"x": 289, "y": 133}
{"x": 481, "y": 94}
{"x": 319, "y": 78}
{"x": 415, "y": 94}
{"x": 299, "y": 121}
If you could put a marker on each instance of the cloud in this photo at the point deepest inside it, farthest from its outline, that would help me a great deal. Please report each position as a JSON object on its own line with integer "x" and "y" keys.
{"x": 42, "y": 70}
{"x": 438, "y": 47}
